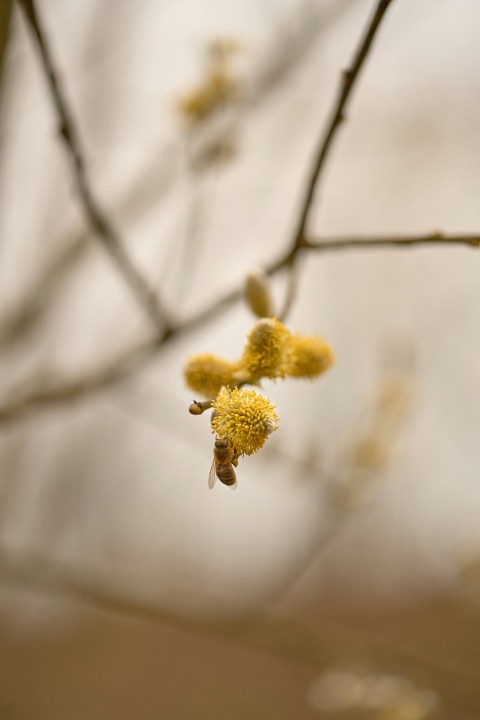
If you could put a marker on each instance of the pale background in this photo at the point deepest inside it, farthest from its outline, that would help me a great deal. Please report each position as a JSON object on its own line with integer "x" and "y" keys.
{"x": 115, "y": 488}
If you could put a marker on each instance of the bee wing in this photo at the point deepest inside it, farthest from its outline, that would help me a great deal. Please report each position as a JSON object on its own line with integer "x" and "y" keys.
{"x": 212, "y": 477}
{"x": 234, "y": 486}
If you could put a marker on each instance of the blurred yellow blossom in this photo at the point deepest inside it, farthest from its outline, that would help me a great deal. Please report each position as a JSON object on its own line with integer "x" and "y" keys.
{"x": 207, "y": 374}
{"x": 219, "y": 87}
{"x": 310, "y": 356}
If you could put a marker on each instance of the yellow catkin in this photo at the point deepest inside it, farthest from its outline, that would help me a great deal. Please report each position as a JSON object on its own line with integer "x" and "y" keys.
{"x": 244, "y": 417}
{"x": 219, "y": 87}
{"x": 207, "y": 374}
{"x": 310, "y": 356}
{"x": 267, "y": 352}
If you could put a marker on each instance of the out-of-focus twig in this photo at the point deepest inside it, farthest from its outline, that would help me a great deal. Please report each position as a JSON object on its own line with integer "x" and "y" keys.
{"x": 23, "y": 317}
{"x": 98, "y": 219}
{"x": 5, "y": 15}
{"x": 153, "y": 180}
{"x": 290, "y": 291}
{"x": 21, "y": 404}
{"x": 386, "y": 241}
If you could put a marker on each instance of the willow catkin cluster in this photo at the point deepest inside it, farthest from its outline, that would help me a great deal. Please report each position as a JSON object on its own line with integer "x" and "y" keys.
{"x": 245, "y": 417}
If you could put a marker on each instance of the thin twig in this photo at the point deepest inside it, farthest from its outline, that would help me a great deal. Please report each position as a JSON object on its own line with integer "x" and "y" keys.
{"x": 5, "y": 28}
{"x": 98, "y": 219}
{"x": 337, "y": 117}
{"x": 22, "y": 404}
{"x": 349, "y": 78}
{"x": 291, "y": 290}
{"x": 152, "y": 183}
{"x": 19, "y": 321}
{"x": 385, "y": 241}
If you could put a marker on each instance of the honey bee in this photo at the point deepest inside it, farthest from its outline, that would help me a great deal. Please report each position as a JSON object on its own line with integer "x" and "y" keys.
{"x": 224, "y": 458}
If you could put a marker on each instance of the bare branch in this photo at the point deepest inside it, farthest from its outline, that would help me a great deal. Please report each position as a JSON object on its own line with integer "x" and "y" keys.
{"x": 5, "y": 15}
{"x": 67, "y": 391}
{"x": 337, "y": 117}
{"x": 19, "y": 321}
{"x": 22, "y": 404}
{"x": 291, "y": 290}
{"x": 398, "y": 241}
{"x": 99, "y": 221}
{"x": 349, "y": 78}
{"x": 152, "y": 182}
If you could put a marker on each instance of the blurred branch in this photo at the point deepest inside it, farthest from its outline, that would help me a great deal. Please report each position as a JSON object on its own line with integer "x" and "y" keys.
{"x": 127, "y": 361}
{"x": 297, "y": 35}
{"x": 309, "y": 642}
{"x": 145, "y": 191}
{"x": 66, "y": 391}
{"x": 5, "y": 16}
{"x": 97, "y": 218}
{"x": 385, "y": 241}
{"x": 22, "y": 404}
{"x": 23, "y": 317}
{"x": 153, "y": 181}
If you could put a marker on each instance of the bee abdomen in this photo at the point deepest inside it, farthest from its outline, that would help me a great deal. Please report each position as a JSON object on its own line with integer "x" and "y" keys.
{"x": 226, "y": 475}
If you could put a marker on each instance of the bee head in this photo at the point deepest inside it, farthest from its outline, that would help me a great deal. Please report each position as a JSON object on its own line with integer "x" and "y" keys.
{"x": 221, "y": 444}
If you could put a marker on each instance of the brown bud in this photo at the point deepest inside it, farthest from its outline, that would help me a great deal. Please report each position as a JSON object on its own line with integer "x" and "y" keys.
{"x": 195, "y": 408}
{"x": 257, "y": 294}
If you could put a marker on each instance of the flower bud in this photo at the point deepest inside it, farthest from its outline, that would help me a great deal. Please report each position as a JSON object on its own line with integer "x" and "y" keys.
{"x": 257, "y": 294}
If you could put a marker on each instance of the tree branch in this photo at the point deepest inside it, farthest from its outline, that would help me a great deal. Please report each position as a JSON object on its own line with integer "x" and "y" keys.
{"x": 5, "y": 28}
{"x": 337, "y": 117}
{"x": 23, "y": 403}
{"x": 151, "y": 184}
{"x": 97, "y": 218}
{"x": 385, "y": 241}
{"x": 349, "y": 78}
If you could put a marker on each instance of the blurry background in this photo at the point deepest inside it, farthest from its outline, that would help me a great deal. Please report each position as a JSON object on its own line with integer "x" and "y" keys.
{"x": 341, "y": 579}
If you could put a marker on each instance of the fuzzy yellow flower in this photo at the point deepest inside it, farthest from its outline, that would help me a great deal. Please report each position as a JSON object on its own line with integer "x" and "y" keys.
{"x": 267, "y": 352}
{"x": 310, "y": 356}
{"x": 218, "y": 89}
{"x": 207, "y": 374}
{"x": 245, "y": 418}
